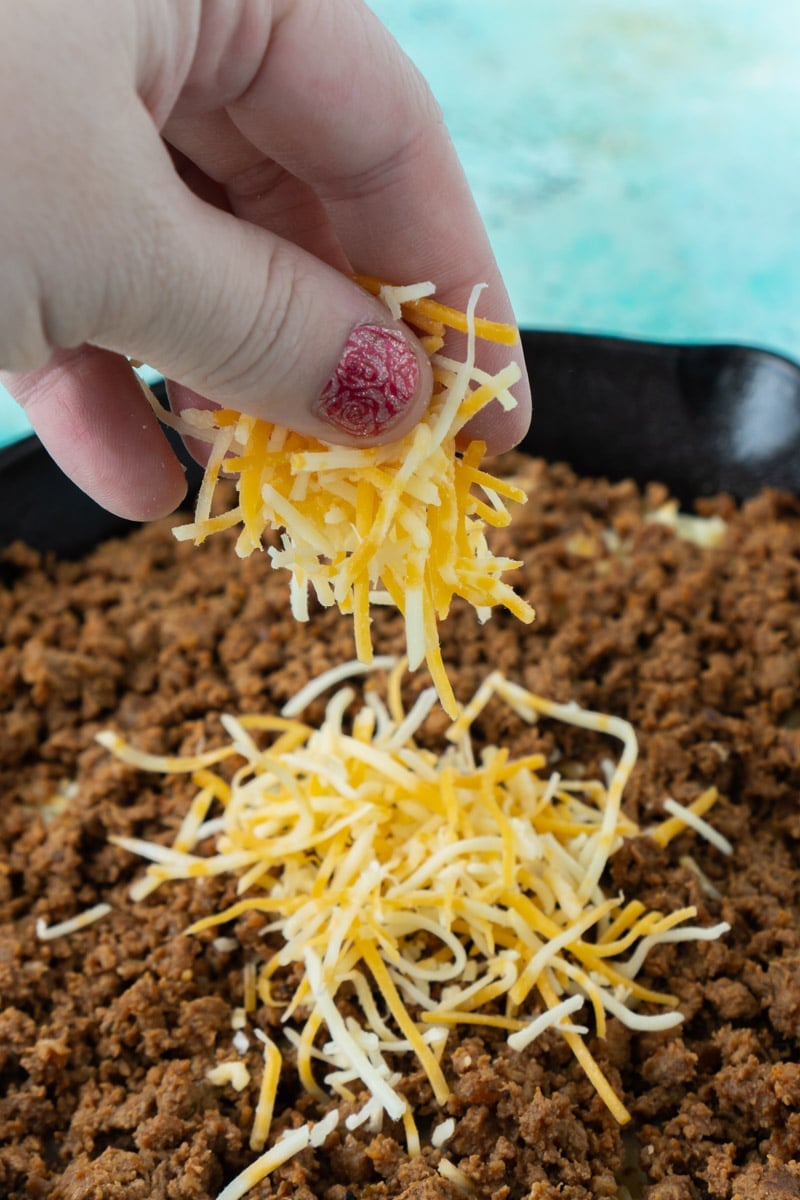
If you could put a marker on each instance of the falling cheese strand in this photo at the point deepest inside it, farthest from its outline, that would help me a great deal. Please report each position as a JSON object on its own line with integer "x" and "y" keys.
{"x": 403, "y": 524}
{"x": 457, "y": 892}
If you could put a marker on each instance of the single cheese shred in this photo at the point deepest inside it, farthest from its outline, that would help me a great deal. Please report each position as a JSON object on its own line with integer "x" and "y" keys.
{"x": 439, "y": 890}
{"x": 402, "y": 524}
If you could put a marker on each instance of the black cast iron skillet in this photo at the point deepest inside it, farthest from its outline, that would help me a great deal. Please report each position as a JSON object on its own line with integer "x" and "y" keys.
{"x": 701, "y": 419}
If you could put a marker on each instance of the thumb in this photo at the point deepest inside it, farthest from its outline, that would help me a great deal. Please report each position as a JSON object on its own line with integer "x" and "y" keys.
{"x": 248, "y": 320}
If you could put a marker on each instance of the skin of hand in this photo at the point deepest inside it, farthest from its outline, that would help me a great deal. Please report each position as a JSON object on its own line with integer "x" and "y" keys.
{"x": 190, "y": 183}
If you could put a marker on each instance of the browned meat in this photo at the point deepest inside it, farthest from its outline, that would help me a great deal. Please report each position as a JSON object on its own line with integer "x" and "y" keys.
{"x": 106, "y": 1036}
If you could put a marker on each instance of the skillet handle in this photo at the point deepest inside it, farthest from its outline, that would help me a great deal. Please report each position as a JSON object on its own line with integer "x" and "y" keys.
{"x": 701, "y": 419}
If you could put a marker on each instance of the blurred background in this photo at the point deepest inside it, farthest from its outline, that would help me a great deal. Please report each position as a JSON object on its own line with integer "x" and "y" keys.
{"x": 634, "y": 160}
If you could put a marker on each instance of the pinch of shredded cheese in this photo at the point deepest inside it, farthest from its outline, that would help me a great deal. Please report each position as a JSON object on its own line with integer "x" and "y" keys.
{"x": 402, "y": 524}
{"x": 455, "y": 889}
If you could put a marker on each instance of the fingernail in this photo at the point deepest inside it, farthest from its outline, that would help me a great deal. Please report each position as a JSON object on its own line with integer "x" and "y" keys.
{"x": 374, "y": 382}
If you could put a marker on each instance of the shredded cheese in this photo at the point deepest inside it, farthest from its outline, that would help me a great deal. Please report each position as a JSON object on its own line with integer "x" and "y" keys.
{"x": 324, "y": 1128}
{"x": 287, "y": 1146}
{"x": 225, "y": 945}
{"x": 401, "y": 524}
{"x": 442, "y": 1133}
{"x": 709, "y": 889}
{"x": 456, "y": 1176}
{"x": 693, "y": 821}
{"x": 234, "y": 1073}
{"x": 678, "y": 822}
{"x": 457, "y": 889}
{"x": 523, "y": 1037}
{"x": 47, "y": 933}
{"x": 266, "y": 1096}
{"x": 706, "y": 532}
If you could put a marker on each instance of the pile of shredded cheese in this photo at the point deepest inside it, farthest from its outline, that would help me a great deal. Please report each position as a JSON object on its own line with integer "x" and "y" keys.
{"x": 401, "y": 524}
{"x": 440, "y": 891}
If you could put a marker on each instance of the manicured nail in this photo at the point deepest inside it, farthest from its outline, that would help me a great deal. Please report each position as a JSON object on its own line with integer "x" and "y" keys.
{"x": 374, "y": 382}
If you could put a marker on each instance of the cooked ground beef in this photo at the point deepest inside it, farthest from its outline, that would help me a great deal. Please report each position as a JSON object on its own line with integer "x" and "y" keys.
{"x": 106, "y": 1036}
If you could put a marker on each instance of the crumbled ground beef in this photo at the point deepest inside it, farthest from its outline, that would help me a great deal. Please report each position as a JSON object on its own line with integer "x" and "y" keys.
{"x": 106, "y": 1036}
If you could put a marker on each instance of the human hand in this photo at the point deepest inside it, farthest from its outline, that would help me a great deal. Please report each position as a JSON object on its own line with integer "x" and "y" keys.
{"x": 190, "y": 183}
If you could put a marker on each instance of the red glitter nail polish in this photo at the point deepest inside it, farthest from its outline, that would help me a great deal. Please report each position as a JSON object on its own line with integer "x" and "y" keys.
{"x": 374, "y": 382}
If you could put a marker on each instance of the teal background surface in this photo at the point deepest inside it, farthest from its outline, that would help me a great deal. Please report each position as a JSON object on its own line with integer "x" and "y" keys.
{"x": 635, "y": 161}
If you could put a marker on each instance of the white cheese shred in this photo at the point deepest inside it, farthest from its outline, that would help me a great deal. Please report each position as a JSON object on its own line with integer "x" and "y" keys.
{"x": 288, "y": 1146}
{"x": 709, "y": 889}
{"x": 47, "y": 933}
{"x": 332, "y": 678}
{"x": 701, "y": 827}
{"x": 442, "y": 1133}
{"x": 523, "y": 1037}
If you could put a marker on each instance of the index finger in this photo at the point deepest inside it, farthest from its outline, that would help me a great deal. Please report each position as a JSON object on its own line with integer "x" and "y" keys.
{"x": 357, "y": 122}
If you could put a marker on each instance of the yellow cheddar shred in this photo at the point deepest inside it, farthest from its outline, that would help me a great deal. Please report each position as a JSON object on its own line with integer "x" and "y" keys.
{"x": 400, "y": 524}
{"x": 266, "y": 1096}
{"x": 440, "y": 890}
{"x": 670, "y": 828}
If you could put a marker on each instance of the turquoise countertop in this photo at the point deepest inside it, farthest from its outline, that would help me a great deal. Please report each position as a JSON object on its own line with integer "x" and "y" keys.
{"x": 634, "y": 160}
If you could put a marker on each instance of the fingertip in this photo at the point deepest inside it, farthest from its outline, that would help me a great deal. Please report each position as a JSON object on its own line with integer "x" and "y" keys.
{"x": 501, "y": 431}
{"x": 502, "y": 428}
{"x": 163, "y": 493}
